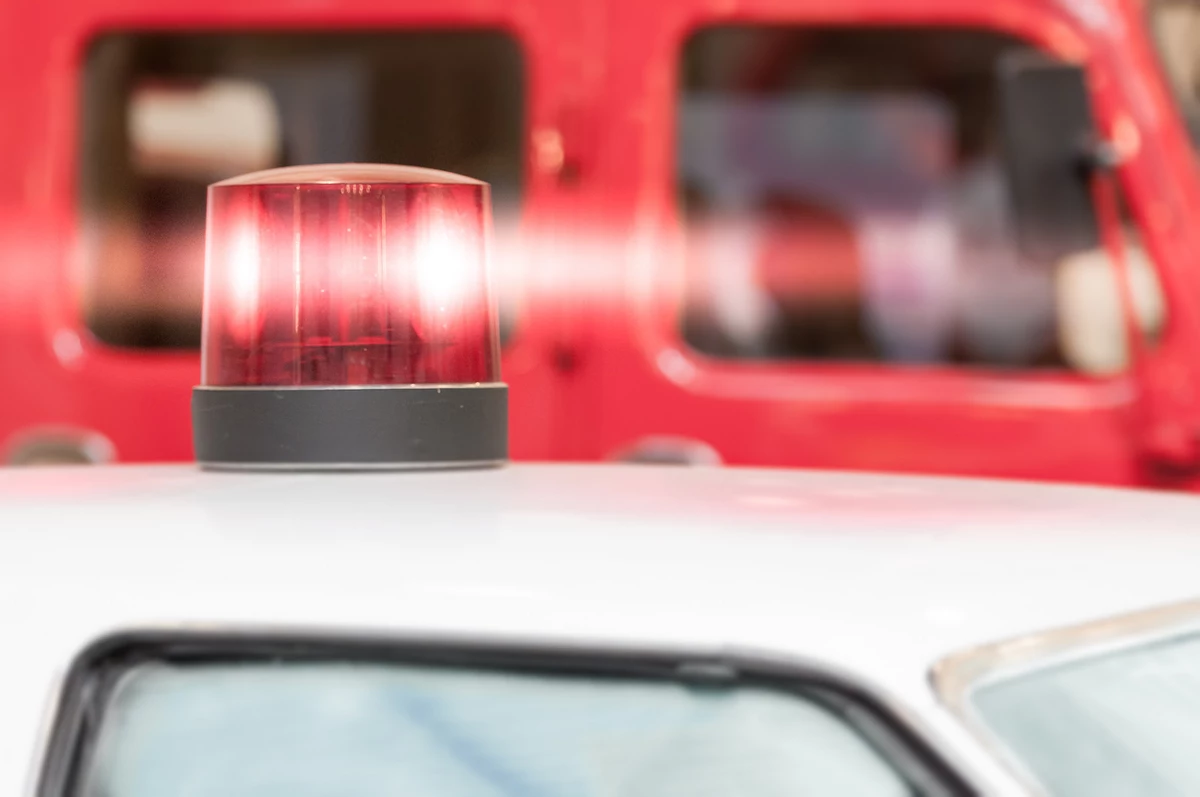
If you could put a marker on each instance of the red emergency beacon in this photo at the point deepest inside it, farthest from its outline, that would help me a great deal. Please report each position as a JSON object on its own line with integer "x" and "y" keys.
{"x": 349, "y": 322}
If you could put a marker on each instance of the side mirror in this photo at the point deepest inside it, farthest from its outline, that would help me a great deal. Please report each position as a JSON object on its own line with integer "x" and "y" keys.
{"x": 1050, "y": 147}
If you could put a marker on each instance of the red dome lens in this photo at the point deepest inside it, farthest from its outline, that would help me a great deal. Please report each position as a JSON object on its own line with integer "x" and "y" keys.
{"x": 348, "y": 275}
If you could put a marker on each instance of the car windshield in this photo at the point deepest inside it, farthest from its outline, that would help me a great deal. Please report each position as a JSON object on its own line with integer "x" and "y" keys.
{"x": 1124, "y": 722}
{"x": 319, "y": 728}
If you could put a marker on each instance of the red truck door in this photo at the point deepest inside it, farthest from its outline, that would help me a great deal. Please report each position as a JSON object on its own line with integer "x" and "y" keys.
{"x": 840, "y": 287}
{"x": 112, "y": 128}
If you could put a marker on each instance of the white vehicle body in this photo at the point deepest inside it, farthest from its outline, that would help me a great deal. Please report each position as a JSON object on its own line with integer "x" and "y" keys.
{"x": 877, "y": 579}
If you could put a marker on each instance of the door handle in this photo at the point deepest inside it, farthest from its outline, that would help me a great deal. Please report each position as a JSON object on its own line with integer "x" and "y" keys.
{"x": 58, "y": 446}
{"x": 667, "y": 450}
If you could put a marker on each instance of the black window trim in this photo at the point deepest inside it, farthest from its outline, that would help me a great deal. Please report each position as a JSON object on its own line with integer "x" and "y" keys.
{"x": 94, "y": 672}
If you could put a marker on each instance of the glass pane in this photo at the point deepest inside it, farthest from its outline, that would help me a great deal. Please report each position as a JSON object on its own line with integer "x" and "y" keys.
{"x": 165, "y": 114}
{"x": 1176, "y": 28}
{"x": 1116, "y": 724}
{"x": 843, "y": 198}
{"x": 297, "y": 729}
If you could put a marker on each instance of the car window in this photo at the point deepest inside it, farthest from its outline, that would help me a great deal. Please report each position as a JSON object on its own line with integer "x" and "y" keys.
{"x": 1115, "y": 723}
{"x": 167, "y": 113}
{"x": 843, "y": 198}
{"x": 289, "y": 723}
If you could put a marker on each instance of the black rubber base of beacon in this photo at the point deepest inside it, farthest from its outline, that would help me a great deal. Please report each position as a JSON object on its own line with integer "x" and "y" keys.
{"x": 350, "y": 428}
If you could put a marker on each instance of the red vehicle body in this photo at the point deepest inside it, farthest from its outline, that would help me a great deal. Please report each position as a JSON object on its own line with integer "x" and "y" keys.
{"x": 597, "y": 364}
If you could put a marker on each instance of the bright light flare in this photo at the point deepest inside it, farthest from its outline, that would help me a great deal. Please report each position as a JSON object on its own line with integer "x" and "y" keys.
{"x": 244, "y": 272}
{"x": 349, "y": 275}
{"x": 446, "y": 262}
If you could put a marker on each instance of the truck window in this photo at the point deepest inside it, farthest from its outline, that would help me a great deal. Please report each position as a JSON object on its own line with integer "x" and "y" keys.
{"x": 167, "y": 113}
{"x": 288, "y": 721}
{"x": 842, "y": 198}
{"x": 1175, "y": 25}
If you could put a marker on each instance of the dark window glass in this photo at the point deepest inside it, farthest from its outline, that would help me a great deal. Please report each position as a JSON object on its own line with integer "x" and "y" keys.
{"x": 843, "y": 198}
{"x": 165, "y": 114}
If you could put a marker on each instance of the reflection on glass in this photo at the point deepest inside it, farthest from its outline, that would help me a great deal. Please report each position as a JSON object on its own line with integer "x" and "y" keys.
{"x": 301, "y": 729}
{"x": 844, "y": 198}
{"x": 1116, "y": 724}
{"x": 1176, "y": 28}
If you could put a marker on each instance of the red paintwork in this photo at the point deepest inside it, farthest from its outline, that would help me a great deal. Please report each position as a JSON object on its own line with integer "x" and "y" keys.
{"x": 598, "y": 367}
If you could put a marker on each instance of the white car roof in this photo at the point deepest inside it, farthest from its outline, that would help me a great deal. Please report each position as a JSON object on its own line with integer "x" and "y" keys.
{"x": 880, "y": 576}
{"x": 805, "y": 561}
